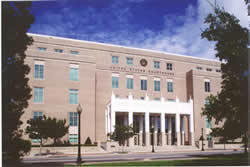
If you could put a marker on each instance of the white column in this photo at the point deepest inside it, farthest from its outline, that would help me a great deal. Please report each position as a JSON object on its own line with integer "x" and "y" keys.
{"x": 140, "y": 130}
{"x": 169, "y": 130}
{"x": 163, "y": 135}
{"x": 112, "y": 121}
{"x": 130, "y": 122}
{"x": 191, "y": 125}
{"x": 177, "y": 128}
{"x": 147, "y": 133}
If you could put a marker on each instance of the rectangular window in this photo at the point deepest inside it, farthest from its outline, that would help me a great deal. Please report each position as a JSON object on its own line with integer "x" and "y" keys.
{"x": 129, "y": 61}
{"x": 170, "y": 86}
{"x": 39, "y": 71}
{"x": 73, "y": 138}
{"x": 42, "y": 49}
{"x": 115, "y": 82}
{"x": 157, "y": 99}
{"x": 169, "y": 66}
{"x": 208, "y": 123}
{"x": 73, "y": 119}
{"x": 157, "y": 85}
{"x": 218, "y": 70}
{"x": 207, "y": 86}
{"x": 38, "y": 95}
{"x": 142, "y": 98}
{"x": 73, "y": 96}
{"x": 171, "y": 100}
{"x": 37, "y": 115}
{"x": 156, "y": 64}
{"x": 59, "y": 50}
{"x": 199, "y": 68}
{"x": 115, "y": 59}
{"x": 74, "y": 74}
{"x": 209, "y": 69}
{"x": 129, "y": 83}
{"x": 143, "y": 84}
{"x": 74, "y": 52}
{"x": 206, "y": 101}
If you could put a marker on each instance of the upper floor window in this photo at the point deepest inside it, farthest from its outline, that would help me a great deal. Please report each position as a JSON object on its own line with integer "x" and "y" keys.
{"x": 207, "y": 86}
{"x": 115, "y": 82}
{"x": 170, "y": 86}
{"x": 42, "y": 49}
{"x": 73, "y": 119}
{"x": 115, "y": 59}
{"x": 143, "y": 84}
{"x": 130, "y": 83}
{"x": 39, "y": 70}
{"x": 209, "y": 69}
{"x": 171, "y": 100}
{"x": 73, "y": 96}
{"x": 74, "y": 52}
{"x": 38, "y": 95}
{"x": 218, "y": 70}
{"x": 74, "y": 72}
{"x": 169, "y": 66}
{"x": 156, "y": 64}
{"x": 199, "y": 68}
{"x": 59, "y": 50}
{"x": 37, "y": 115}
{"x": 157, "y": 85}
{"x": 129, "y": 61}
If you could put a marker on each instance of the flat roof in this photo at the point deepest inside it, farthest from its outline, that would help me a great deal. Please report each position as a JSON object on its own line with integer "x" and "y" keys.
{"x": 125, "y": 47}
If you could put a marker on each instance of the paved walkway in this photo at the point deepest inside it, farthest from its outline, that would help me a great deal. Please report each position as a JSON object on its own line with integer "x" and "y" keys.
{"x": 111, "y": 157}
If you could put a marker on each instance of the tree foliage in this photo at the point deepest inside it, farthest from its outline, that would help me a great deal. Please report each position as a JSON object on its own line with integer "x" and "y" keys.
{"x": 16, "y": 20}
{"x": 122, "y": 133}
{"x": 229, "y": 106}
{"x": 57, "y": 129}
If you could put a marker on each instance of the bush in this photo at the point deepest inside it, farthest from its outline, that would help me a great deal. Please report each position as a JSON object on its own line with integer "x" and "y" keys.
{"x": 88, "y": 141}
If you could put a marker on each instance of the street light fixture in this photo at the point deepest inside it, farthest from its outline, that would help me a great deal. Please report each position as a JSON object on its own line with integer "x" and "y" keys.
{"x": 79, "y": 111}
{"x": 152, "y": 130}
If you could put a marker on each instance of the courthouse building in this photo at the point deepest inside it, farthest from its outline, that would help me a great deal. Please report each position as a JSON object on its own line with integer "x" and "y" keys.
{"x": 156, "y": 92}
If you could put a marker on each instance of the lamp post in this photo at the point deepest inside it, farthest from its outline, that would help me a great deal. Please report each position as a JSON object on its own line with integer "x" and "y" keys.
{"x": 202, "y": 139}
{"x": 152, "y": 130}
{"x": 79, "y": 111}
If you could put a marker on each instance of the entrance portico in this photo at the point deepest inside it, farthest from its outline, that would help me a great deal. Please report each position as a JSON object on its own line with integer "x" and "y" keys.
{"x": 162, "y": 121}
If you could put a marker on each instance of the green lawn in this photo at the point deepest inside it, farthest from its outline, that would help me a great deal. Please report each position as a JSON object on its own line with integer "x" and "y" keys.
{"x": 221, "y": 160}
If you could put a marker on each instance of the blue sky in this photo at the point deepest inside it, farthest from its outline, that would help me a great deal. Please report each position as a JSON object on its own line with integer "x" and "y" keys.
{"x": 164, "y": 25}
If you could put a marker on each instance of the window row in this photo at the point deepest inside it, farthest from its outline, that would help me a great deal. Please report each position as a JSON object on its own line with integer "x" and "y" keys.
{"x": 129, "y": 83}
{"x": 39, "y": 95}
{"x": 129, "y": 61}
{"x": 208, "y": 69}
{"x": 39, "y": 71}
{"x": 58, "y": 50}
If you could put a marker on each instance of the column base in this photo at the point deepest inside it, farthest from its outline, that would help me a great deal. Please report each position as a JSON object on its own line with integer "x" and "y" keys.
{"x": 163, "y": 138}
{"x": 178, "y": 136}
{"x": 147, "y": 139}
{"x": 191, "y": 140}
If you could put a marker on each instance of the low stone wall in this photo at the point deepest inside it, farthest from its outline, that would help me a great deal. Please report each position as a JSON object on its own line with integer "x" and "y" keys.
{"x": 212, "y": 145}
{"x": 66, "y": 150}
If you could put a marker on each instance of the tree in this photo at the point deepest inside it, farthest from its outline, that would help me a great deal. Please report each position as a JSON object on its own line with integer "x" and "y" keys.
{"x": 57, "y": 129}
{"x": 16, "y": 20}
{"x": 122, "y": 133}
{"x": 229, "y": 106}
{"x": 38, "y": 128}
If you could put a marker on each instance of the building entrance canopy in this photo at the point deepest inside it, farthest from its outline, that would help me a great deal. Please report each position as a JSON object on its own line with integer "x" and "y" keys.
{"x": 160, "y": 109}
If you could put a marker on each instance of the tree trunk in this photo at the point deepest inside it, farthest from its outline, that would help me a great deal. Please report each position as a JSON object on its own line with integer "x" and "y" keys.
{"x": 245, "y": 143}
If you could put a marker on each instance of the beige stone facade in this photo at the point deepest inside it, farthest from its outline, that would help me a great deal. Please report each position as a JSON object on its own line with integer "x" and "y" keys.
{"x": 94, "y": 85}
